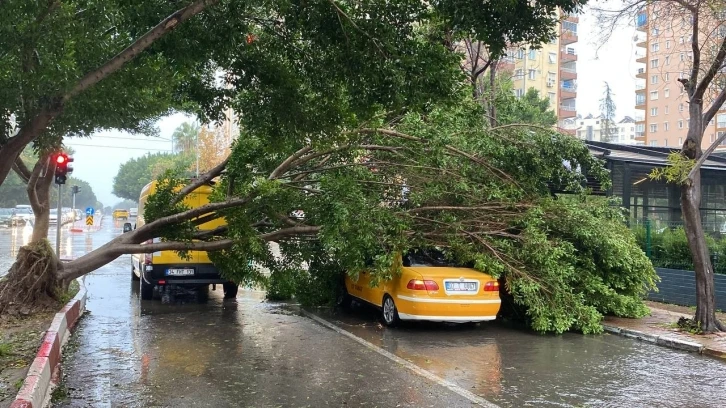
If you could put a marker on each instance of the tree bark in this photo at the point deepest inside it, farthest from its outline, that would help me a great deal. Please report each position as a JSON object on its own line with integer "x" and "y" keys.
{"x": 39, "y": 196}
{"x": 691, "y": 208}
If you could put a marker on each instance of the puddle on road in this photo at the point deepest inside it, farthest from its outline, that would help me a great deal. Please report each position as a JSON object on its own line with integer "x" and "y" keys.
{"x": 520, "y": 368}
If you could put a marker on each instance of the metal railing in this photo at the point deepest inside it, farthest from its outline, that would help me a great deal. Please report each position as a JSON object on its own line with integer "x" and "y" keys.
{"x": 569, "y": 108}
{"x": 570, "y": 70}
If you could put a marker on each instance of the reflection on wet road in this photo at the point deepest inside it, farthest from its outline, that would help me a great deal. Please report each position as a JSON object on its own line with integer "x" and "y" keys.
{"x": 197, "y": 350}
{"x": 519, "y": 368}
{"x": 194, "y": 351}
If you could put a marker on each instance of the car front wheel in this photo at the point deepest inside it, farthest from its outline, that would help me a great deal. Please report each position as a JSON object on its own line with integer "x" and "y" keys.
{"x": 390, "y": 313}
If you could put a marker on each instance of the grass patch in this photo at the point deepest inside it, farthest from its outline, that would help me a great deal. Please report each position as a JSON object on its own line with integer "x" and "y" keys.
{"x": 73, "y": 289}
{"x": 5, "y": 349}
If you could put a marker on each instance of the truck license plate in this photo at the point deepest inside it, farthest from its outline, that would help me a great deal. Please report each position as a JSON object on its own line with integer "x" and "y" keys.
{"x": 179, "y": 272}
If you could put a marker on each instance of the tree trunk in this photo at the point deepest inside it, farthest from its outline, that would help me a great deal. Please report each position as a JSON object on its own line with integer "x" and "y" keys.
{"x": 691, "y": 208}
{"x": 493, "y": 94}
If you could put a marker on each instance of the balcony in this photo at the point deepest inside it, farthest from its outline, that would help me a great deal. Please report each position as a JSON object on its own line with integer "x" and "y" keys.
{"x": 641, "y": 57}
{"x": 568, "y": 55}
{"x": 639, "y": 101}
{"x": 566, "y": 111}
{"x": 574, "y": 18}
{"x": 641, "y": 22}
{"x": 568, "y": 73}
{"x": 639, "y": 135}
{"x": 568, "y": 91}
{"x": 642, "y": 73}
{"x": 567, "y": 37}
{"x": 721, "y": 125}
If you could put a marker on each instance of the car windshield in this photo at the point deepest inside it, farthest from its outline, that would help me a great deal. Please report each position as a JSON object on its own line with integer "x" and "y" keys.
{"x": 429, "y": 257}
{"x": 23, "y": 211}
{"x": 6, "y": 211}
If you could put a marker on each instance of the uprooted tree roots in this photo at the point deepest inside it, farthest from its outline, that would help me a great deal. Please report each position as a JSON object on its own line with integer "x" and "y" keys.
{"x": 32, "y": 284}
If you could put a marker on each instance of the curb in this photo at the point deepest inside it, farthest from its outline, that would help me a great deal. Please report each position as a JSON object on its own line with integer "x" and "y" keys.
{"x": 44, "y": 372}
{"x": 664, "y": 340}
{"x": 473, "y": 398}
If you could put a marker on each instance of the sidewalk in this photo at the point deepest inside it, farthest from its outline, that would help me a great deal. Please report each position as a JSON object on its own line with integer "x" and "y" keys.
{"x": 660, "y": 328}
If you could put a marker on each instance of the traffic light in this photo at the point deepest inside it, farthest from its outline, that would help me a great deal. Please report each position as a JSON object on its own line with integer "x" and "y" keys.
{"x": 75, "y": 189}
{"x": 62, "y": 167}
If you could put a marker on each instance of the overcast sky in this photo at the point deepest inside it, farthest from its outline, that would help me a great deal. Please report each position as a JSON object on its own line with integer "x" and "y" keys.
{"x": 97, "y": 159}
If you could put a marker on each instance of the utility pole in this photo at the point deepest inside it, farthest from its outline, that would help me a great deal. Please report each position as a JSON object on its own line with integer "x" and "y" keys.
{"x": 58, "y": 218}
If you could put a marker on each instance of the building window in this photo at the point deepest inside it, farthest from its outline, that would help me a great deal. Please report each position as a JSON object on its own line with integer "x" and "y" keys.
{"x": 681, "y": 40}
{"x": 532, "y": 73}
{"x": 668, "y": 44}
{"x": 532, "y": 54}
{"x": 653, "y": 128}
{"x": 667, "y": 60}
{"x": 519, "y": 92}
{"x": 520, "y": 53}
{"x": 570, "y": 26}
{"x": 655, "y": 47}
{"x": 665, "y": 142}
{"x": 680, "y": 107}
{"x": 654, "y": 143}
{"x": 654, "y": 95}
{"x": 553, "y": 97}
{"x": 666, "y": 110}
{"x": 665, "y": 127}
{"x": 666, "y": 77}
{"x": 666, "y": 92}
{"x": 680, "y": 125}
{"x": 654, "y": 63}
{"x": 653, "y": 111}
{"x": 680, "y": 141}
{"x": 519, "y": 74}
{"x": 721, "y": 120}
{"x": 553, "y": 58}
{"x": 654, "y": 79}
{"x": 654, "y": 32}
{"x": 683, "y": 56}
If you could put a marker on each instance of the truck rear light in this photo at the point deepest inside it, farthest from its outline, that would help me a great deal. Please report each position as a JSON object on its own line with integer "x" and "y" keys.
{"x": 148, "y": 257}
{"x": 418, "y": 284}
{"x": 491, "y": 286}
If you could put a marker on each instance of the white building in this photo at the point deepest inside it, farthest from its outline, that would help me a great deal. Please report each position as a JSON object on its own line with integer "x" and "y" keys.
{"x": 590, "y": 128}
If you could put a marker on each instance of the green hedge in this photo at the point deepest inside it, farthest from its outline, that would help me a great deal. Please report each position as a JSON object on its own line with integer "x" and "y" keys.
{"x": 669, "y": 248}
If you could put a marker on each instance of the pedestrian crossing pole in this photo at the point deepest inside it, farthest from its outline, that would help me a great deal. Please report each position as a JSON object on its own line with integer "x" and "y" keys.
{"x": 58, "y": 223}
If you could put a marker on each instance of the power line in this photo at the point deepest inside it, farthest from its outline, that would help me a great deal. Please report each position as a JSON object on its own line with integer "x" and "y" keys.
{"x": 148, "y": 139}
{"x": 120, "y": 147}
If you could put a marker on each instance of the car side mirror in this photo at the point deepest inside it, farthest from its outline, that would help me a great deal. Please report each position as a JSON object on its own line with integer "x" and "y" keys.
{"x": 127, "y": 227}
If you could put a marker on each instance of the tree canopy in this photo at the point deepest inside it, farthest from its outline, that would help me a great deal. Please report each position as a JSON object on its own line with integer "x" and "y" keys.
{"x": 133, "y": 175}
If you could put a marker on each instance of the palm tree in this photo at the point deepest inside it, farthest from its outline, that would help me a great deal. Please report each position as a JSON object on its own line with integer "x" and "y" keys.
{"x": 185, "y": 137}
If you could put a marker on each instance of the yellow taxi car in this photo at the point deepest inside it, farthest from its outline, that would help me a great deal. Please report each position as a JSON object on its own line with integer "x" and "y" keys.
{"x": 120, "y": 214}
{"x": 429, "y": 288}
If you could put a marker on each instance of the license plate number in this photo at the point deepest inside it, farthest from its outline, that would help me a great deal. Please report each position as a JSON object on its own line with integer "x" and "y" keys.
{"x": 179, "y": 272}
{"x": 461, "y": 286}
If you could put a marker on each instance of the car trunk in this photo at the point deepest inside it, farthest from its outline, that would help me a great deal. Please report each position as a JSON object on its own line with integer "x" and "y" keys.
{"x": 457, "y": 283}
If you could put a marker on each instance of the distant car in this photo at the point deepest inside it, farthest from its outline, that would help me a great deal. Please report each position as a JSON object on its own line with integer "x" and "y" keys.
{"x": 431, "y": 288}
{"x": 23, "y": 215}
{"x": 53, "y": 217}
{"x": 6, "y": 216}
{"x": 134, "y": 212}
{"x": 120, "y": 214}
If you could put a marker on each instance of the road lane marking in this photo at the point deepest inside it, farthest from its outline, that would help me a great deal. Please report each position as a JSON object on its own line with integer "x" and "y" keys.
{"x": 413, "y": 367}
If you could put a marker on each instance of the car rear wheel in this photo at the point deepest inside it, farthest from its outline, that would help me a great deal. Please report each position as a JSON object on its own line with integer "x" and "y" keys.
{"x": 133, "y": 275}
{"x": 146, "y": 290}
{"x": 390, "y": 313}
{"x": 230, "y": 290}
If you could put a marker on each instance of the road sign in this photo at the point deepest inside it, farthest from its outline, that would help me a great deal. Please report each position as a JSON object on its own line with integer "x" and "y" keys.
{"x": 89, "y": 220}
{"x": 89, "y": 211}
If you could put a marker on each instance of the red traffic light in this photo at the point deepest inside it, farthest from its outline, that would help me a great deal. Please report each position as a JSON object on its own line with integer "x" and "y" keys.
{"x": 60, "y": 159}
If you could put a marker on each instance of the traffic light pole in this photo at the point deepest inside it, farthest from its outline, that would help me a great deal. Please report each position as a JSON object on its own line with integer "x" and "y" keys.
{"x": 58, "y": 223}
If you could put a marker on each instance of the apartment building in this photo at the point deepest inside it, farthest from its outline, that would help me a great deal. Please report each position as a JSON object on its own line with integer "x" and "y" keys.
{"x": 550, "y": 68}
{"x": 592, "y": 128}
{"x": 663, "y": 44}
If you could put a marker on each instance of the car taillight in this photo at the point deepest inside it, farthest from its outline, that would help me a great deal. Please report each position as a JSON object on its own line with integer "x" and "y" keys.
{"x": 418, "y": 284}
{"x": 491, "y": 286}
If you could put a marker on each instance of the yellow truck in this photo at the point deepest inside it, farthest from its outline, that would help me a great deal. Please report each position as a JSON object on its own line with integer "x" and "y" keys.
{"x": 167, "y": 267}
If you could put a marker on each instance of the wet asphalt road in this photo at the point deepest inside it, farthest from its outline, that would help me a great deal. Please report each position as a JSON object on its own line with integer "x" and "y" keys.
{"x": 191, "y": 350}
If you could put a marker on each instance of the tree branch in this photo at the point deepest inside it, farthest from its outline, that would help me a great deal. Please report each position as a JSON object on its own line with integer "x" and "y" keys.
{"x": 705, "y": 155}
{"x": 37, "y": 125}
{"x": 715, "y": 106}
{"x": 32, "y": 183}
{"x": 21, "y": 169}
{"x": 203, "y": 179}
{"x": 285, "y": 165}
